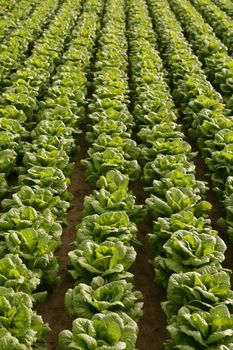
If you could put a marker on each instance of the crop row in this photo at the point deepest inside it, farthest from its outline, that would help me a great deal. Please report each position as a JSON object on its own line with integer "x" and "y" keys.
{"x": 183, "y": 238}
{"x": 15, "y": 47}
{"x": 219, "y": 20}
{"x": 41, "y": 103}
{"x": 218, "y": 65}
{"x": 6, "y": 7}
{"x": 19, "y": 100}
{"x": 225, "y": 5}
{"x": 103, "y": 301}
{"x": 201, "y": 106}
{"x": 20, "y": 12}
{"x": 217, "y": 149}
{"x": 188, "y": 252}
{"x": 31, "y": 226}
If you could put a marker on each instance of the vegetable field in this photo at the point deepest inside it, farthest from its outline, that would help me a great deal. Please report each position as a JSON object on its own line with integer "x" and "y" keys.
{"x": 116, "y": 174}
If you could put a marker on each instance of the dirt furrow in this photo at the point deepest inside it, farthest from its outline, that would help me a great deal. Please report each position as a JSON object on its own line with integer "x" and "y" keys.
{"x": 53, "y": 309}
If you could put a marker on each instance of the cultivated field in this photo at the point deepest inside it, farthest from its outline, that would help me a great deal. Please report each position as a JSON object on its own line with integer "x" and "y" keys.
{"x": 116, "y": 174}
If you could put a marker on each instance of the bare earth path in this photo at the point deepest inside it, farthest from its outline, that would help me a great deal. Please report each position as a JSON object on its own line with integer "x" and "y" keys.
{"x": 53, "y": 309}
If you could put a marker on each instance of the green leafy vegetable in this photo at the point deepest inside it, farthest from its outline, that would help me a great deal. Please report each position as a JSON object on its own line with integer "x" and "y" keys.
{"x": 111, "y": 225}
{"x": 20, "y": 327}
{"x": 186, "y": 250}
{"x": 87, "y": 300}
{"x": 113, "y": 196}
{"x": 110, "y": 260}
{"x": 197, "y": 329}
{"x": 105, "y": 331}
{"x": 203, "y": 290}
{"x": 38, "y": 198}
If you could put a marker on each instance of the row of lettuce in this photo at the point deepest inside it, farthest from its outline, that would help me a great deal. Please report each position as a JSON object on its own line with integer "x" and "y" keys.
{"x": 18, "y": 101}
{"x": 11, "y": 20}
{"x": 188, "y": 252}
{"x": 31, "y": 225}
{"x": 103, "y": 301}
{"x": 225, "y": 5}
{"x": 221, "y": 21}
{"x": 6, "y": 7}
{"x": 16, "y": 46}
{"x": 202, "y": 108}
{"x": 217, "y": 63}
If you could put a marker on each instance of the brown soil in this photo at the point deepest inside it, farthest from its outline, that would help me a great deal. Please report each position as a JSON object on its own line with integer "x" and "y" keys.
{"x": 152, "y": 326}
{"x": 53, "y": 310}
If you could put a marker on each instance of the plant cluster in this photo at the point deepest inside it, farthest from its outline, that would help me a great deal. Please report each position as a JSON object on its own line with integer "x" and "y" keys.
{"x": 11, "y": 20}
{"x": 225, "y": 5}
{"x": 188, "y": 252}
{"x": 103, "y": 301}
{"x": 61, "y": 59}
{"x": 6, "y": 7}
{"x": 218, "y": 19}
{"x": 217, "y": 64}
{"x": 203, "y": 110}
{"x": 14, "y": 47}
{"x": 32, "y": 225}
